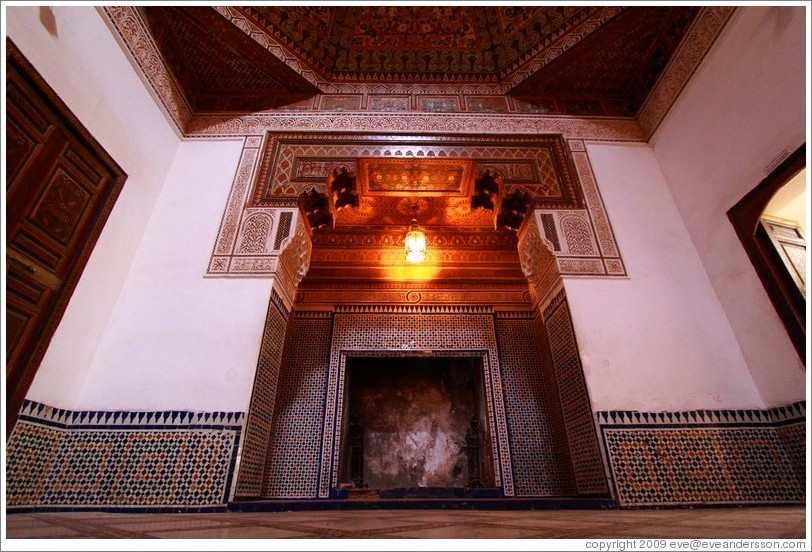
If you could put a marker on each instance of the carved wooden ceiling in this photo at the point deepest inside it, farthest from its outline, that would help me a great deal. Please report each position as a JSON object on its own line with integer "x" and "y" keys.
{"x": 357, "y": 226}
{"x": 212, "y": 60}
{"x": 611, "y": 54}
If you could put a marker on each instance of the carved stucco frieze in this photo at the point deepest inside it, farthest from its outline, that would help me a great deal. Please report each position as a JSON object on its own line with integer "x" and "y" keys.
{"x": 132, "y": 33}
{"x": 709, "y": 23}
{"x": 605, "y": 129}
{"x": 581, "y": 239}
{"x": 539, "y": 264}
{"x": 294, "y": 260}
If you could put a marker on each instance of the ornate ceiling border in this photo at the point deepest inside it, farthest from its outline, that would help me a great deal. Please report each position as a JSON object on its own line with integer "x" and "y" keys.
{"x": 132, "y": 32}
{"x": 273, "y": 46}
{"x": 564, "y": 43}
{"x": 512, "y": 75}
{"x": 603, "y": 129}
{"x": 701, "y": 36}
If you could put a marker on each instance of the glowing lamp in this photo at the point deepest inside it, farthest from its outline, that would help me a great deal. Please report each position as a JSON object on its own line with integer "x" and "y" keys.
{"x": 415, "y": 244}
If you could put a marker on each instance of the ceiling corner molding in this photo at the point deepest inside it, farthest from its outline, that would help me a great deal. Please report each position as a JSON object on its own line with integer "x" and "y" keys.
{"x": 555, "y": 49}
{"x": 262, "y": 38}
{"x": 698, "y": 41}
{"x": 132, "y": 32}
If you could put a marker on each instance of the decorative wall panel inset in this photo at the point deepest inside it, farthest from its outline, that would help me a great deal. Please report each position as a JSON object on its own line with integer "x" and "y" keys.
{"x": 591, "y": 243}
{"x": 260, "y": 413}
{"x": 283, "y": 230}
{"x": 250, "y": 238}
{"x": 590, "y": 476}
{"x": 561, "y": 183}
{"x": 706, "y": 457}
{"x": 292, "y": 467}
{"x": 535, "y": 466}
{"x": 538, "y": 163}
{"x": 255, "y": 233}
{"x": 174, "y": 459}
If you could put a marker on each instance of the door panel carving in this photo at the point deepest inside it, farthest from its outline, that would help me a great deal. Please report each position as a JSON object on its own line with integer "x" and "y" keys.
{"x": 60, "y": 188}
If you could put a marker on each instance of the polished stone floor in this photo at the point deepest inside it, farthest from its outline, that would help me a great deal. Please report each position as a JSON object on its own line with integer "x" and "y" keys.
{"x": 706, "y": 523}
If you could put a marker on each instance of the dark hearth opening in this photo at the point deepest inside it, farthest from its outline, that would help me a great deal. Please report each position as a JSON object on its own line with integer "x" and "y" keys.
{"x": 415, "y": 422}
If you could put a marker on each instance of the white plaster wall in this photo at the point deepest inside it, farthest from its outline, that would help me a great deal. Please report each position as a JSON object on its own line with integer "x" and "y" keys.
{"x": 745, "y": 105}
{"x": 658, "y": 340}
{"x": 82, "y": 62}
{"x": 178, "y": 340}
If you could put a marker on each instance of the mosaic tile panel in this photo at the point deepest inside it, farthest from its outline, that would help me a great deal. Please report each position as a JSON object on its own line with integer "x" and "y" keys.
{"x": 793, "y": 439}
{"x": 535, "y": 465}
{"x": 30, "y": 453}
{"x": 706, "y": 466}
{"x": 402, "y": 333}
{"x": 171, "y": 459}
{"x": 260, "y": 413}
{"x": 706, "y": 456}
{"x": 555, "y": 414}
{"x": 587, "y": 464}
{"x": 292, "y": 468}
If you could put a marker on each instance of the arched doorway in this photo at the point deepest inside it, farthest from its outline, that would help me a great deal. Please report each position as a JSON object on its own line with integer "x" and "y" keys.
{"x": 776, "y": 247}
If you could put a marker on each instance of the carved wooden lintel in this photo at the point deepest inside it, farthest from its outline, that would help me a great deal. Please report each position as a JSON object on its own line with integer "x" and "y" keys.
{"x": 487, "y": 191}
{"x": 342, "y": 189}
{"x": 315, "y": 209}
{"x": 513, "y": 209}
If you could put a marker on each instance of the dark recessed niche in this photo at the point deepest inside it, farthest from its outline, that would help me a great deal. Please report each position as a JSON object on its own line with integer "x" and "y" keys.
{"x": 415, "y": 422}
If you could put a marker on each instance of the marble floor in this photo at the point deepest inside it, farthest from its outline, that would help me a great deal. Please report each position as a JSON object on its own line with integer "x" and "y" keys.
{"x": 708, "y": 523}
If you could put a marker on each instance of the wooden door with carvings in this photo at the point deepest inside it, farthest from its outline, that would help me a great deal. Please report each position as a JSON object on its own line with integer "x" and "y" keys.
{"x": 60, "y": 188}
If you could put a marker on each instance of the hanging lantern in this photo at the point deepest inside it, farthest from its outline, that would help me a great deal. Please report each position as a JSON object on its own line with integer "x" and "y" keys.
{"x": 415, "y": 244}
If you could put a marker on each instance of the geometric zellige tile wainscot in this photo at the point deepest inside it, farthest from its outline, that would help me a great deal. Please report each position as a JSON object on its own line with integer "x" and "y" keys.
{"x": 706, "y": 457}
{"x": 145, "y": 461}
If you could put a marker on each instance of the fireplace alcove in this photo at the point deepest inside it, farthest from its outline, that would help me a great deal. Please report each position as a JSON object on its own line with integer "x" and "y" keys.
{"x": 415, "y": 426}
{"x": 372, "y": 374}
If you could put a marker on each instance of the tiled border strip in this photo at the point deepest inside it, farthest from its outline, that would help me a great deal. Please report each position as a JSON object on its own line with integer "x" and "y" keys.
{"x": 706, "y": 457}
{"x": 180, "y": 461}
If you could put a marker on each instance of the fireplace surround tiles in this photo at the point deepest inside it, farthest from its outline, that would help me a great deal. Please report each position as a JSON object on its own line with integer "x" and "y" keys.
{"x": 534, "y": 435}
